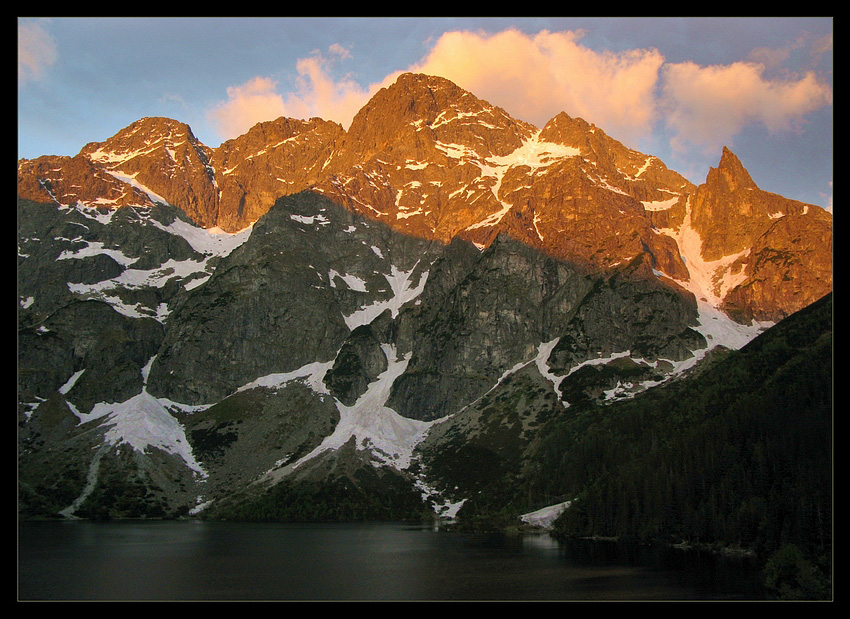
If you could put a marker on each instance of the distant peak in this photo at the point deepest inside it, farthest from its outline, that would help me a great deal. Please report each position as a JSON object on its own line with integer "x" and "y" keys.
{"x": 728, "y": 158}
{"x": 141, "y": 137}
{"x": 423, "y": 78}
{"x": 160, "y": 122}
{"x": 419, "y": 85}
{"x": 731, "y": 172}
{"x": 151, "y": 126}
{"x": 412, "y": 97}
{"x": 564, "y": 117}
{"x": 564, "y": 121}
{"x": 565, "y": 129}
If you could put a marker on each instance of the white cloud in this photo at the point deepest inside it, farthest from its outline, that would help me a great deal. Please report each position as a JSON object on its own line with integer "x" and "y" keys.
{"x": 316, "y": 93}
{"x": 708, "y": 106}
{"x": 535, "y": 77}
{"x": 36, "y": 51}
{"x": 247, "y": 104}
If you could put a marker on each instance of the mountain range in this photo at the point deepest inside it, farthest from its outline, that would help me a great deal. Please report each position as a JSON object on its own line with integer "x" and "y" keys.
{"x": 385, "y": 322}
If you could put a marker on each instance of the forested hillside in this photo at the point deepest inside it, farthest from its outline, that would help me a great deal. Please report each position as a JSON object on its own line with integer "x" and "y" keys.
{"x": 738, "y": 456}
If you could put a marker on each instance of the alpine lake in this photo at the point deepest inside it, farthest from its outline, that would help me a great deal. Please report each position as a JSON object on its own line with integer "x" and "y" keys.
{"x": 193, "y": 560}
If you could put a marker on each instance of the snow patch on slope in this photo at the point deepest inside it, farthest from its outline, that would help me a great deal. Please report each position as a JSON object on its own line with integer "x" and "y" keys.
{"x": 403, "y": 291}
{"x": 661, "y": 205}
{"x": 143, "y": 422}
{"x": 390, "y": 437}
{"x": 545, "y": 517}
{"x": 131, "y": 180}
{"x": 211, "y": 243}
{"x": 532, "y": 153}
{"x": 352, "y": 281}
{"x": 312, "y": 374}
{"x": 208, "y": 241}
{"x": 709, "y": 282}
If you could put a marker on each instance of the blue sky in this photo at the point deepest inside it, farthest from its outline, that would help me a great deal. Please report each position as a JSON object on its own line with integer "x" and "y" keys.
{"x": 678, "y": 88}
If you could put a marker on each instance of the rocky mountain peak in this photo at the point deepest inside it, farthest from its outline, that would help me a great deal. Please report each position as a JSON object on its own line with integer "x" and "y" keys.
{"x": 272, "y": 159}
{"x": 162, "y": 158}
{"x": 430, "y": 159}
{"x": 730, "y": 174}
{"x": 143, "y": 138}
{"x": 751, "y": 247}
{"x": 416, "y": 98}
{"x": 424, "y": 111}
{"x": 272, "y": 134}
{"x": 729, "y": 210}
{"x": 566, "y": 130}
{"x": 441, "y": 272}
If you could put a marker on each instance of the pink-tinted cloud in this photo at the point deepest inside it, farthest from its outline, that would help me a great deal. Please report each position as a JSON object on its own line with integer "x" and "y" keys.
{"x": 319, "y": 94}
{"x": 36, "y": 51}
{"x": 708, "y": 106}
{"x": 247, "y": 104}
{"x": 316, "y": 93}
{"x": 535, "y": 77}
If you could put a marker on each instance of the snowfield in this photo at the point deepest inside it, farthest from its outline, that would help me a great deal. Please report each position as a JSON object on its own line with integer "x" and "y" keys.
{"x": 211, "y": 243}
{"x": 545, "y": 517}
{"x": 390, "y": 437}
{"x": 403, "y": 291}
{"x": 144, "y": 422}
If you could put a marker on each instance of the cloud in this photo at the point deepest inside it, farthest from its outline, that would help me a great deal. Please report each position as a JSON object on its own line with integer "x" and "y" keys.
{"x": 821, "y": 46}
{"x": 535, "y": 77}
{"x": 708, "y": 106}
{"x": 36, "y": 51}
{"x": 629, "y": 94}
{"x": 338, "y": 50}
{"x": 317, "y": 94}
{"x": 247, "y": 104}
{"x": 827, "y": 197}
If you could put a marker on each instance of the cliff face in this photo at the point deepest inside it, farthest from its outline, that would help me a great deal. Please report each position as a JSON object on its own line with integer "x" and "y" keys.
{"x": 782, "y": 248}
{"x": 273, "y": 159}
{"x": 788, "y": 267}
{"x": 305, "y": 307}
{"x": 431, "y": 160}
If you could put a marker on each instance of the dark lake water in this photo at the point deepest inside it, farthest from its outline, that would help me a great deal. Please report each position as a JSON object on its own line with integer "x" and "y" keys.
{"x": 191, "y": 560}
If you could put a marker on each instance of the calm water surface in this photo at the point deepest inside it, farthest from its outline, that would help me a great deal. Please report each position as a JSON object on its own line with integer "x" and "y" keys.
{"x": 189, "y": 560}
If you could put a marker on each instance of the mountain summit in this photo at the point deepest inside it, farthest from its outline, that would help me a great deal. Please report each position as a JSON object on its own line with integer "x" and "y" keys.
{"x": 432, "y": 160}
{"x": 308, "y": 322}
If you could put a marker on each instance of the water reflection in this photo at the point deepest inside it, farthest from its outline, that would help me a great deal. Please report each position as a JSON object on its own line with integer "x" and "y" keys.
{"x": 196, "y": 560}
